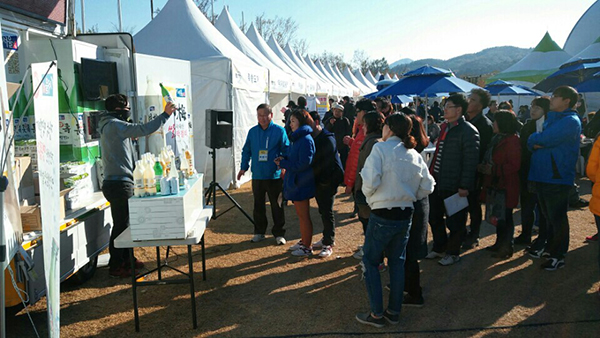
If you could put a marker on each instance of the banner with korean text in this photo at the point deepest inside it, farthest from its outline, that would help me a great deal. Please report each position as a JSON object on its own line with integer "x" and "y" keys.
{"x": 45, "y": 102}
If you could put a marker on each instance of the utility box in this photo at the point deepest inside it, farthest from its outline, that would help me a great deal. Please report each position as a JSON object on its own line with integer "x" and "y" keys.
{"x": 166, "y": 217}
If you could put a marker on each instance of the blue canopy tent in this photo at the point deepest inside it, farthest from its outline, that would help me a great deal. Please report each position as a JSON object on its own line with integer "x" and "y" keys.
{"x": 506, "y": 88}
{"x": 571, "y": 75}
{"x": 590, "y": 86}
{"x": 400, "y": 99}
{"x": 427, "y": 81}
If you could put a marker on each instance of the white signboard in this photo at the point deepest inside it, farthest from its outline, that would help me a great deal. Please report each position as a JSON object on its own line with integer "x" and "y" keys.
{"x": 178, "y": 128}
{"x": 46, "y": 110}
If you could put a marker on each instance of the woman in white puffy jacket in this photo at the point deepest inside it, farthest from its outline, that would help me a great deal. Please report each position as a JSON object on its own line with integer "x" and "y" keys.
{"x": 394, "y": 177}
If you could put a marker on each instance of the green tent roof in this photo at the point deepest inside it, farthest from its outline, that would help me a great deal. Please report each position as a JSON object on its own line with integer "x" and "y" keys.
{"x": 547, "y": 45}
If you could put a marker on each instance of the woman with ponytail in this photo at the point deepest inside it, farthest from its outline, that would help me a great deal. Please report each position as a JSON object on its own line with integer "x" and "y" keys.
{"x": 395, "y": 176}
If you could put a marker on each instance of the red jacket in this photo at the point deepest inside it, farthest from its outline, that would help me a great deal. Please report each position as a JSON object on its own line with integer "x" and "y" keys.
{"x": 505, "y": 171}
{"x": 352, "y": 160}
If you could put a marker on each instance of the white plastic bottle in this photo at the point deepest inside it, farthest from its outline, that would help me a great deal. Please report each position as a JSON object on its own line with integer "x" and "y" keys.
{"x": 138, "y": 180}
{"x": 149, "y": 180}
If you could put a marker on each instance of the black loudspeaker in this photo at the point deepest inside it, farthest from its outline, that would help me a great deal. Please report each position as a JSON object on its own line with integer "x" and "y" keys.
{"x": 219, "y": 128}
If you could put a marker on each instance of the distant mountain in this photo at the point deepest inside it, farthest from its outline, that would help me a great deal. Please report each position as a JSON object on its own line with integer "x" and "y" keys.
{"x": 401, "y": 62}
{"x": 490, "y": 60}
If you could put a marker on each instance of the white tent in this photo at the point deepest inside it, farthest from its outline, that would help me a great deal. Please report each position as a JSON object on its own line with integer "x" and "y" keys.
{"x": 336, "y": 75}
{"x": 355, "y": 90}
{"x": 353, "y": 80}
{"x": 321, "y": 86}
{"x": 395, "y": 77}
{"x": 336, "y": 89}
{"x": 542, "y": 61}
{"x": 279, "y": 81}
{"x": 585, "y": 31}
{"x": 387, "y": 77}
{"x": 343, "y": 90}
{"x": 298, "y": 82}
{"x": 222, "y": 78}
{"x": 591, "y": 53}
{"x": 377, "y": 76}
{"x": 328, "y": 85}
{"x": 360, "y": 77}
{"x": 371, "y": 78}
{"x": 311, "y": 84}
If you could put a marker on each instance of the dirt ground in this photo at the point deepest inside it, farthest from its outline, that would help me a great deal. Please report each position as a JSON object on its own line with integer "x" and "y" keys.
{"x": 261, "y": 290}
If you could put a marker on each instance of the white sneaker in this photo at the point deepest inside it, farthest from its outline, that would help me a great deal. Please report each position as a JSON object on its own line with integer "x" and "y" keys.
{"x": 326, "y": 251}
{"x": 296, "y": 246}
{"x": 318, "y": 245}
{"x": 433, "y": 255}
{"x": 280, "y": 240}
{"x": 302, "y": 251}
{"x": 257, "y": 238}
{"x": 359, "y": 254}
{"x": 449, "y": 260}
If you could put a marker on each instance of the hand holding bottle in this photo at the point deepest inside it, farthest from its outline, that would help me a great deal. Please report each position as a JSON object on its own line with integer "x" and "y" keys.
{"x": 169, "y": 108}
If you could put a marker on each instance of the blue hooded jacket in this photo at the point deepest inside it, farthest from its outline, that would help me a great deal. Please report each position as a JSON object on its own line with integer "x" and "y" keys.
{"x": 299, "y": 181}
{"x": 274, "y": 140}
{"x": 555, "y": 162}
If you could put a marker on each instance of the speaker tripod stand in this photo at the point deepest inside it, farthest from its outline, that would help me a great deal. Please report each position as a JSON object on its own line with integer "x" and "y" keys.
{"x": 211, "y": 193}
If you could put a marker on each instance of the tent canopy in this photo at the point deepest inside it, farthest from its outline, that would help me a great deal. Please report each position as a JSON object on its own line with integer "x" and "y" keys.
{"x": 590, "y": 54}
{"x": 585, "y": 30}
{"x": 279, "y": 81}
{"x": 370, "y": 77}
{"x": 222, "y": 78}
{"x": 298, "y": 81}
{"x": 544, "y": 60}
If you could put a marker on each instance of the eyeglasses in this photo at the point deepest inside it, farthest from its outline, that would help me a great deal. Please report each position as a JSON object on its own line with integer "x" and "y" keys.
{"x": 264, "y": 116}
{"x": 449, "y": 107}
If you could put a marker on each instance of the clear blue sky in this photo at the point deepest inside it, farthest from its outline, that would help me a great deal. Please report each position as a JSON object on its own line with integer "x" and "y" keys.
{"x": 392, "y": 29}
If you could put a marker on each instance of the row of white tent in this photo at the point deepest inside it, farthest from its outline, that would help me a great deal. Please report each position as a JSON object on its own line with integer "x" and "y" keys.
{"x": 238, "y": 71}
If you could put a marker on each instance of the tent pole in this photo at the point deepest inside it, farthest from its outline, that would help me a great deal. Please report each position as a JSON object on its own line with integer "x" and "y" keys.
{"x": 426, "y": 113}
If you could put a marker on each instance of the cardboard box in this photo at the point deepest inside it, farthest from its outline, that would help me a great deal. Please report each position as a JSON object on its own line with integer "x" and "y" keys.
{"x": 31, "y": 218}
{"x": 24, "y": 183}
{"x": 166, "y": 217}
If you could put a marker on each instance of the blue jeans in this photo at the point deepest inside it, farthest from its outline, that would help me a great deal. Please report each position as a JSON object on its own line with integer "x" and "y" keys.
{"x": 390, "y": 236}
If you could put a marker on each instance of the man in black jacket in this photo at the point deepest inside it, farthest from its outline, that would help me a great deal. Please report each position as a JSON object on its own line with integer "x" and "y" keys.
{"x": 349, "y": 110}
{"x": 341, "y": 127}
{"x": 453, "y": 166}
{"x": 478, "y": 100}
{"x": 328, "y": 172}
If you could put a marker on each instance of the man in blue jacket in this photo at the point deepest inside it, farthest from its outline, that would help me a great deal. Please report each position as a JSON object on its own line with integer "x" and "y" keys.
{"x": 555, "y": 151}
{"x": 265, "y": 142}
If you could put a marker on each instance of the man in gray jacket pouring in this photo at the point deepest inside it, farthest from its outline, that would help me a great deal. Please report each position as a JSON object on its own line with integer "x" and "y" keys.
{"x": 118, "y": 162}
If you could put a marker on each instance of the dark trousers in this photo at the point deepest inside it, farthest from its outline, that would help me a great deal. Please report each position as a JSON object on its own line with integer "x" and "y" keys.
{"x": 412, "y": 278}
{"x": 455, "y": 223}
{"x": 325, "y": 196}
{"x": 554, "y": 204}
{"x": 505, "y": 230}
{"x": 272, "y": 188}
{"x": 528, "y": 202}
{"x": 475, "y": 212}
{"x": 117, "y": 193}
{"x": 343, "y": 155}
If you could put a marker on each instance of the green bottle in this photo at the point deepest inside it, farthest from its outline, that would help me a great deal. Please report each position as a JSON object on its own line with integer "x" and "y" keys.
{"x": 165, "y": 94}
{"x": 158, "y": 174}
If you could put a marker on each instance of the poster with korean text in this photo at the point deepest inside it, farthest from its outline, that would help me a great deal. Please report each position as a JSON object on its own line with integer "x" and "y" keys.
{"x": 45, "y": 102}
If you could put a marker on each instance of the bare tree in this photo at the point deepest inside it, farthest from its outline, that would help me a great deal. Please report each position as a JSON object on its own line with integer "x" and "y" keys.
{"x": 91, "y": 30}
{"x": 301, "y": 46}
{"x": 332, "y": 59}
{"x": 206, "y": 7}
{"x": 360, "y": 60}
{"x": 126, "y": 29}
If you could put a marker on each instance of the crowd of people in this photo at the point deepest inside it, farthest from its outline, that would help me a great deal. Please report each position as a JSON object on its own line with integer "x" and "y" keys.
{"x": 500, "y": 159}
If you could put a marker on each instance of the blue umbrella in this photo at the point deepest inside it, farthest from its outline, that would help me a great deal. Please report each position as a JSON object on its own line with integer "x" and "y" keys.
{"x": 507, "y": 88}
{"x": 428, "y": 85}
{"x": 429, "y": 70}
{"x": 590, "y": 86}
{"x": 571, "y": 75}
{"x": 399, "y": 99}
